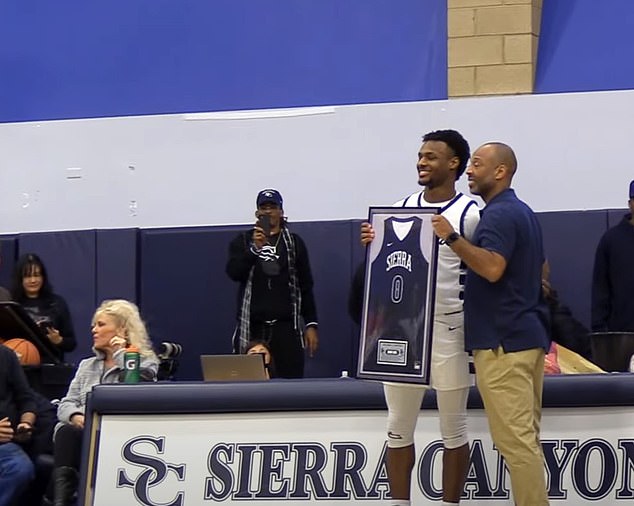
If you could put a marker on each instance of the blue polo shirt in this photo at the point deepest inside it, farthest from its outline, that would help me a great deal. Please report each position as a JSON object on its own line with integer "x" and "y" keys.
{"x": 511, "y": 312}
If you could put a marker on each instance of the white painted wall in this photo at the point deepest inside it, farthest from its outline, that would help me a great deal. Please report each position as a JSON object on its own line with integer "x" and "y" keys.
{"x": 329, "y": 163}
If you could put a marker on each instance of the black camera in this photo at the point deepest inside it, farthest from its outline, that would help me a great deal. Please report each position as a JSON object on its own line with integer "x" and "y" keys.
{"x": 169, "y": 351}
{"x": 168, "y": 354}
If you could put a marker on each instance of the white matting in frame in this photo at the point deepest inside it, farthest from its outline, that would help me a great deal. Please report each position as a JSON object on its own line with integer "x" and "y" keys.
{"x": 398, "y": 296}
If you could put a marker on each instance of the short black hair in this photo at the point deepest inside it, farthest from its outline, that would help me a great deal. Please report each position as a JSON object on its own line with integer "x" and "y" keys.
{"x": 456, "y": 142}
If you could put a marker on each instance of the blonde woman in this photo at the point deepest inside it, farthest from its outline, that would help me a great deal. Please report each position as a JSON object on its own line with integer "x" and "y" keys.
{"x": 115, "y": 325}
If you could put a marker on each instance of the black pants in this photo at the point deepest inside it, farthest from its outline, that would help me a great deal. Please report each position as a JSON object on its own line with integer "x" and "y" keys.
{"x": 67, "y": 450}
{"x": 285, "y": 345}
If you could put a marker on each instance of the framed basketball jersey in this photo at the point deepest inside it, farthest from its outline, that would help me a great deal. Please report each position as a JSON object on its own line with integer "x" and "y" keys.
{"x": 398, "y": 296}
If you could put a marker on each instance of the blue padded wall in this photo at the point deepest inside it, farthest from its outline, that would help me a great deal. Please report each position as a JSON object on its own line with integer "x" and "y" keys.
{"x": 570, "y": 241}
{"x": 186, "y": 296}
{"x": 184, "y": 293}
{"x": 357, "y": 257}
{"x": 70, "y": 261}
{"x": 8, "y": 252}
{"x": 615, "y": 216}
{"x": 178, "y": 278}
{"x": 329, "y": 247}
{"x": 116, "y": 264}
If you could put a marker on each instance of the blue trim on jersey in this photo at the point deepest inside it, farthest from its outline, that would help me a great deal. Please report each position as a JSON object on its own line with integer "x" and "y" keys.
{"x": 464, "y": 213}
{"x": 406, "y": 200}
{"x": 451, "y": 202}
{"x": 442, "y": 209}
{"x": 402, "y": 220}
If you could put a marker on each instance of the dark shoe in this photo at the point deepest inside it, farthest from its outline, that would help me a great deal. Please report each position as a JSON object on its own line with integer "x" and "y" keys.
{"x": 65, "y": 481}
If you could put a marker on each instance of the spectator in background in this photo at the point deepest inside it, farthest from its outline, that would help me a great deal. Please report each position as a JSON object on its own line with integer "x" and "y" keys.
{"x": 33, "y": 291}
{"x": 275, "y": 300}
{"x": 41, "y": 443}
{"x": 565, "y": 329}
{"x": 17, "y": 418}
{"x": 115, "y": 325}
{"x": 613, "y": 277}
{"x": 260, "y": 347}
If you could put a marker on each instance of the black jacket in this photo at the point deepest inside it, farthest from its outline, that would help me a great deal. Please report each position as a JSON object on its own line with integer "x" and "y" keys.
{"x": 566, "y": 330}
{"x": 270, "y": 297}
{"x": 53, "y": 310}
{"x": 613, "y": 280}
{"x": 16, "y": 396}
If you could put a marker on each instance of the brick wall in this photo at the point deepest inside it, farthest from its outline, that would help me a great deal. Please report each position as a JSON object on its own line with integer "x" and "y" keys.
{"x": 492, "y": 46}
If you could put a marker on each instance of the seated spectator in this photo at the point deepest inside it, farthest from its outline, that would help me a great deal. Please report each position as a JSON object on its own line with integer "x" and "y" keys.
{"x": 261, "y": 347}
{"x": 561, "y": 360}
{"x": 33, "y": 291}
{"x": 115, "y": 325}
{"x": 565, "y": 329}
{"x": 40, "y": 450}
{"x": 17, "y": 418}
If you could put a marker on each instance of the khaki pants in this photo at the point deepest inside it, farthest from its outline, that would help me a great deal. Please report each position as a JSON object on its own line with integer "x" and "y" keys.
{"x": 510, "y": 385}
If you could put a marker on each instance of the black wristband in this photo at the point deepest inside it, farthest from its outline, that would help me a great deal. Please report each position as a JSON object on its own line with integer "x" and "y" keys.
{"x": 451, "y": 238}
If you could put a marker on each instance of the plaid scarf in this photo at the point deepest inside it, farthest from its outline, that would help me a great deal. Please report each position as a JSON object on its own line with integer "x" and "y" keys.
{"x": 242, "y": 334}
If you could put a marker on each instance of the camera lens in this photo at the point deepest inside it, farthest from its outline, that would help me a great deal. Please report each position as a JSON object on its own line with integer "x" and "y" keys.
{"x": 167, "y": 350}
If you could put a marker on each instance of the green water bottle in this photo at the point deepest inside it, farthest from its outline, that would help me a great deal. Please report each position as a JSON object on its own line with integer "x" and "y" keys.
{"x": 131, "y": 360}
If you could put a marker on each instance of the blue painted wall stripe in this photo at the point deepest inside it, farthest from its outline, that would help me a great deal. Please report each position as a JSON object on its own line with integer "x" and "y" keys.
{"x": 75, "y": 59}
{"x": 585, "y": 45}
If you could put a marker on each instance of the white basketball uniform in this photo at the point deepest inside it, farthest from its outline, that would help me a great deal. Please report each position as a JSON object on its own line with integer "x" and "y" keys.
{"x": 450, "y": 362}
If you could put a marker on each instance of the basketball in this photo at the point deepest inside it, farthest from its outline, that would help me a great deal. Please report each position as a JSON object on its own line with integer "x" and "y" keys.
{"x": 25, "y": 350}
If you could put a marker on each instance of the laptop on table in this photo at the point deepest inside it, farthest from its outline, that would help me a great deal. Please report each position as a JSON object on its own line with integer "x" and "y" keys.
{"x": 233, "y": 367}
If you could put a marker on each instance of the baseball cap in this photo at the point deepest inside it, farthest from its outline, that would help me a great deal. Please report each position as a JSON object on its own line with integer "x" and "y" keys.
{"x": 632, "y": 189}
{"x": 269, "y": 195}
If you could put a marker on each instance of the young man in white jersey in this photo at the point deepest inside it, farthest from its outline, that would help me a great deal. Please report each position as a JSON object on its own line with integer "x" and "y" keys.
{"x": 442, "y": 159}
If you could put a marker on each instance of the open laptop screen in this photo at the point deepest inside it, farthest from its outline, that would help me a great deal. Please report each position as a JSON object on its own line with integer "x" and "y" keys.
{"x": 233, "y": 367}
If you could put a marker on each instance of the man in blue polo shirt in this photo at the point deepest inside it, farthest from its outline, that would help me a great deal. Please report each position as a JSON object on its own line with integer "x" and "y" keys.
{"x": 506, "y": 317}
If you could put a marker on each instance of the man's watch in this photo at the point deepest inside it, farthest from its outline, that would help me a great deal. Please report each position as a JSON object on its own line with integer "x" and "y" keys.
{"x": 451, "y": 238}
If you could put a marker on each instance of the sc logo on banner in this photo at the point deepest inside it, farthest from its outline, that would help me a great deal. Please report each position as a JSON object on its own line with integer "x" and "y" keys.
{"x": 154, "y": 471}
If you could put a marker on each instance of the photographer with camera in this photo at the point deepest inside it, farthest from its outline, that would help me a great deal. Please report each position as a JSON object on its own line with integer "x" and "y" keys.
{"x": 275, "y": 301}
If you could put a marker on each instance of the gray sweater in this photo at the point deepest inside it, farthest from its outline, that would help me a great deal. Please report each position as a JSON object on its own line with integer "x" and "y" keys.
{"x": 90, "y": 373}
